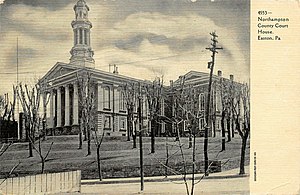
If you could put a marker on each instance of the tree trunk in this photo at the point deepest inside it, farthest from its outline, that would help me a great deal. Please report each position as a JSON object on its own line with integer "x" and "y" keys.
{"x": 129, "y": 123}
{"x": 153, "y": 127}
{"x": 190, "y": 139}
{"x": 194, "y": 159}
{"x": 214, "y": 127}
{"x": 89, "y": 142}
{"x": 80, "y": 134}
{"x": 228, "y": 130}
{"x": 128, "y": 126}
{"x": 99, "y": 163}
{"x": 80, "y": 140}
{"x": 223, "y": 130}
{"x": 30, "y": 149}
{"x": 134, "y": 140}
{"x": 243, "y": 152}
{"x": 85, "y": 133}
{"x": 232, "y": 126}
{"x": 167, "y": 156}
{"x": 43, "y": 165}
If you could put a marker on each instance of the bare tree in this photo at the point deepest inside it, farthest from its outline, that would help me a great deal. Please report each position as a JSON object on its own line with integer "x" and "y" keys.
{"x": 4, "y": 147}
{"x": 86, "y": 94}
{"x": 130, "y": 95}
{"x": 153, "y": 96}
{"x": 30, "y": 100}
{"x": 46, "y": 99}
{"x": 241, "y": 108}
{"x": 185, "y": 111}
{"x": 37, "y": 146}
{"x": 98, "y": 139}
{"x": 226, "y": 109}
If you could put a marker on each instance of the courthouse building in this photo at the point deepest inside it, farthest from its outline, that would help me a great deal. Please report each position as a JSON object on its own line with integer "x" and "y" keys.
{"x": 61, "y": 83}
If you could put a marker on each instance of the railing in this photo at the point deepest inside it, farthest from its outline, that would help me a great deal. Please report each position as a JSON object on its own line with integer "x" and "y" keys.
{"x": 66, "y": 182}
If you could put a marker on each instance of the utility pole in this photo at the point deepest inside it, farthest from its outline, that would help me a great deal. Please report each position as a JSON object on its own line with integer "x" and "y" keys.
{"x": 18, "y": 106}
{"x": 141, "y": 137}
{"x": 211, "y": 64}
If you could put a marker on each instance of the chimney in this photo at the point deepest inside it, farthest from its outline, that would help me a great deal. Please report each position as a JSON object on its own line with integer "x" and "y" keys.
{"x": 219, "y": 73}
{"x": 171, "y": 83}
{"x": 115, "y": 69}
{"x": 231, "y": 77}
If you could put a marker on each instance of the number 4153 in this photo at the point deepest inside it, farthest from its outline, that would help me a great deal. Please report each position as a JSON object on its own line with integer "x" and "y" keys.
{"x": 262, "y": 12}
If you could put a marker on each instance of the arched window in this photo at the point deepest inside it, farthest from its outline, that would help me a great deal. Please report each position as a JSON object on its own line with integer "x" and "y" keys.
{"x": 122, "y": 101}
{"x": 106, "y": 97}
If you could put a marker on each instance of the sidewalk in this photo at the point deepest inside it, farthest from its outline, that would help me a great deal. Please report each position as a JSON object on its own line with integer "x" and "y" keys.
{"x": 234, "y": 173}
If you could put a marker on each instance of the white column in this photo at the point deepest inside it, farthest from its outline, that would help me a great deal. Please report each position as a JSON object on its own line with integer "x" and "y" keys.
{"x": 51, "y": 124}
{"x": 67, "y": 105}
{"x": 58, "y": 107}
{"x": 75, "y": 105}
{"x": 53, "y": 108}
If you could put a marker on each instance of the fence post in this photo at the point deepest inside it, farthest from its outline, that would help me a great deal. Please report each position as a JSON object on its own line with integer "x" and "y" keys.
{"x": 79, "y": 181}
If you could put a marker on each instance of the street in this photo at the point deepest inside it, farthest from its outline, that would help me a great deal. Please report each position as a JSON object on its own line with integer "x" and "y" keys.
{"x": 209, "y": 186}
{"x": 231, "y": 185}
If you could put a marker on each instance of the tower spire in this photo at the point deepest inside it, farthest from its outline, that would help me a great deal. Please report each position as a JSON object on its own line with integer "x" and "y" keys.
{"x": 82, "y": 53}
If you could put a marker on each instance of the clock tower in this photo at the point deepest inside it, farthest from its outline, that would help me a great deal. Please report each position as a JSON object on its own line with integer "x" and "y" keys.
{"x": 82, "y": 53}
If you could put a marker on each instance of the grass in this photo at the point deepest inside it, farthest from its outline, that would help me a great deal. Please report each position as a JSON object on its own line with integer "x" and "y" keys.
{"x": 116, "y": 153}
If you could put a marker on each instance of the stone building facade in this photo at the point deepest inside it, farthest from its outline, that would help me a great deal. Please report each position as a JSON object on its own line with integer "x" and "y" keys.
{"x": 61, "y": 83}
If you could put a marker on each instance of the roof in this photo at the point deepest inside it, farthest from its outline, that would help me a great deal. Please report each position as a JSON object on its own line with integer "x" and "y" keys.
{"x": 61, "y": 72}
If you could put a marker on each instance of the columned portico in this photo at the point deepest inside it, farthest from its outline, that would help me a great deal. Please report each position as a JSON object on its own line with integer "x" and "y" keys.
{"x": 58, "y": 110}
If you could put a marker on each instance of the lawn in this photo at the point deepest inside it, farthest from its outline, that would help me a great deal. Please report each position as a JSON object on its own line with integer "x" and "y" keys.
{"x": 116, "y": 154}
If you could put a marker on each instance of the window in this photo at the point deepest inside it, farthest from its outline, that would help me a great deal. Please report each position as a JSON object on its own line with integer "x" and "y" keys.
{"x": 122, "y": 123}
{"x": 122, "y": 101}
{"x": 107, "y": 122}
{"x": 185, "y": 126}
{"x": 106, "y": 97}
{"x": 201, "y": 123}
{"x": 201, "y": 102}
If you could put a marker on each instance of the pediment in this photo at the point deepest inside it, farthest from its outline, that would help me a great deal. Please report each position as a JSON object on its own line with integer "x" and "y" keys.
{"x": 58, "y": 70}
{"x": 193, "y": 75}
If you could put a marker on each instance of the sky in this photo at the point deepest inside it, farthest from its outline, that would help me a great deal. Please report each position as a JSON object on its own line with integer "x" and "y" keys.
{"x": 144, "y": 38}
